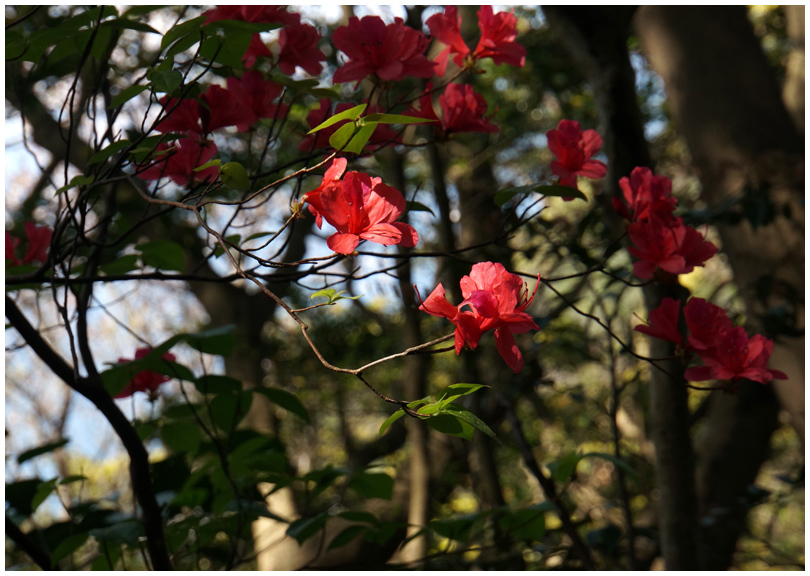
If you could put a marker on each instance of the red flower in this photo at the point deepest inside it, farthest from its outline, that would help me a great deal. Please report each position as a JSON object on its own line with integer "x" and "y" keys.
{"x": 181, "y": 158}
{"x": 497, "y": 301}
{"x": 361, "y": 208}
{"x": 707, "y": 323}
{"x": 299, "y": 47}
{"x": 255, "y": 96}
{"x": 573, "y": 149}
{"x": 39, "y": 242}
{"x": 736, "y": 356}
{"x": 252, "y": 13}
{"x": 463, "y": 110}
{"x": 671, "y": 246}
{"x": 144, "y": 381}
{"x": 646, "y": 194}
{"x": 383, "y": 134}
{"x": 256, "y": 49}
{"x": 221, "y": 108}
{"x": 391, "y": 52}
{"x": 664, "y": 322}
{"x": 498, "y": 33}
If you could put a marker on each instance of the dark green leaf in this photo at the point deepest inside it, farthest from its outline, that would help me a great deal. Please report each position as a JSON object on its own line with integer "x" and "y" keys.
{"x": 390, "y": 420}
{"x": 452, "y": 425}
{"x": 68, "y": 546}
{"x": 121, "y": 265}
{"x": 350, "y": 114}
{"x": 165, "y": 80}
{"x": 71, "y": 479}
{"x": 219, "y": 341}
{"x": 563, "y": 469}
{"x": 181, "y": 436}
{"x": 233, "y": 240}
{"x": 188, "y": 27}
{"x": 162, "y": 254}
{"x": 454, "y": 528}
{"x": 126, "y": 95}
{"x": 560, "y": 191}
{"x": 105, "y": 153}
{"x": 372, "y": 485}
{"x": 131, "y": 25}
{"x": 20, "y": 494}
{"x": 346, "y": 536}
{"x": 215, "y": 384}
{"x": 126, "y": 532}
{"x": 183, "y": 44}
{"x": 462, "y": 413}
{"x": 234, "y": 175}
{"x": 79, "y": 180}
{"x": 39, "y": 450}
{"x": 306, "y": 528}
{"x": 413, "y": 206}
{"x": 288, "y": 401}
{"x": 15, "y": 45}
{"x": 354, "y": 516}
{"x": 227, "y": 410}
{"x": 43, "y": 491}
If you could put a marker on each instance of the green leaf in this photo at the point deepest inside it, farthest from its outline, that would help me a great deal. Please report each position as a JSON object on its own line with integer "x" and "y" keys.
{"x": 560, "y": 191}
{"x": 234, "y": 175}
{"x": 218, "y": 341}
{"x": 120, "y": 265}
{"x": 149, "y": 145}
{"x": 105, "y": 153}
{"x": 429, "y": 410}
{"x": 372, "y": 485}
{"x": 286, "y": 400}
{"x": 39, "y": 450}
{"x": 341, "y": 136}
{"x": 378, "y": 118}
{"x": 79, "y": 180}
{"x": 43, "y": 490}
{"x": 306, "y": 528}
{"x": 615, "y": 461}
{"x": 183, "y": 44}
{"x": 231, "y": 27}
{"x": 454, "y": 391}
{"x": 233, "y": 240}
{"x": 68, "y": 546}
{"x": 126, "y": 532}
{"x": 452, "y": 425}
{"x": 15, "y": 45}
{"x": 346, "y": 536}
{"x": 227, "y": 410}
{"x": 412, "y": 206}
{"x": 128, "y": 24}
{"x": 528, "y": 524}
{"x": 359, "y": 516}
{"x": 350, "y": 114}
{"x": 72, "y": 479}
{"x": 215, "y": 384}
{"x": 360, "y": 139}
{"x": 563, "y": 469}
{"x": 333, "y": 296}
{"x": 162, "y": 254}
{"x": 470, "y": 418}
{"x": 181, "y": 436}
{"x": 165, "y": 80}
{"x": 209, "y": 164}
{"x": 390, "y": 420}
{"x": 457, "y": 528}
{"x": 175, "y": 32}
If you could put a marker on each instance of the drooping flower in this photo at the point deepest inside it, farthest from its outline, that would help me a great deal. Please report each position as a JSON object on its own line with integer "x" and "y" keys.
{"x": 573, "y": 149}
{"x": 735, "y": 356}
{"x": 256, "y": 95}
{"x": 299, "y": 47}
{"x": 382, "y": 136}
{"x": 39, "y": 242}
{"x": 391, "y": 51}
{"x": 145, "y": 380}
{"x": 180, "y": 159}
{"x": 672, "y": 247}
{"x": 664, "y": 322}
{"x": 494, "y": 299}
{"x": 647, "y": 195}
{"x": 252, "y": 13}
{"x": 498, "y": 34}
{"x": 360, "y": 208}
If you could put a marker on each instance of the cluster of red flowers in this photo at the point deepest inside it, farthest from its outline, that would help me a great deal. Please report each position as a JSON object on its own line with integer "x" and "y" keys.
{"x": 39, "y": 241}
{"x": 494, "y": 299}
{"x": 463, "y": 111}
{"x": 360, "y": 208}
{"x": 726, "y": 350}
{"x": 498, "y": 33}
{"x": 144, "y": 381}
{"x": 661, "y": 240}
{"x": 573, "y": 149}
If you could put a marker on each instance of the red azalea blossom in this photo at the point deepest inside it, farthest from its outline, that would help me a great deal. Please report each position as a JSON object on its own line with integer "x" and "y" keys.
{"x": 256, "y": 95}
{"x": 735, "y": 356}
{"x": 573, "y": 149}
{"x": 664, "y": 322}
{"x": 256, "y": 49}
{"x": 390, "y": 51}
{"x": 463, "y": 110}
{"x": 498, "y": 33}
{"x": 221, "y": 108}
{"x": 706, "y": 323}
{"x": 180, "y": 160}
{"x": 144, "y": 381}
{"x": 360, "y": 208}
{"x": 497, "y": 301}
{"x": 252, "y": 13}
{"x": 382, "y": 136}
{"x": 673, "y": 247}
{"x": 646, "y": 194}
{"x": 299, "y": 47}
{"x": 39, "y": 242}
